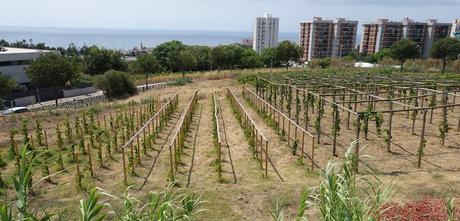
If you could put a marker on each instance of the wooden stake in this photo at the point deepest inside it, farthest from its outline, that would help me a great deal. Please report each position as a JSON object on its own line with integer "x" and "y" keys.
{"x": 266, "y": 158}
{"x": 358, "y": 130}
{"x": 312, "y": 153}
{"x": 422, "y": 141}
{"x": 138, "y": 151}
{"x": 124, "y": 166}
{"x": 90, "y": 161}
{"x": 171, "y": 164}
{"x": 389, "y": 133}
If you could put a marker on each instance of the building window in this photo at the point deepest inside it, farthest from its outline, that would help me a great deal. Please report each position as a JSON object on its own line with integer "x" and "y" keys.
{"x": 5, "y": 63}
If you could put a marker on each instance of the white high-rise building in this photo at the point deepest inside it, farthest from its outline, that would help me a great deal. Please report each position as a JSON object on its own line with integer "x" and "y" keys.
{"x": 455, "y": 33}
{"x": 265, "y": 32}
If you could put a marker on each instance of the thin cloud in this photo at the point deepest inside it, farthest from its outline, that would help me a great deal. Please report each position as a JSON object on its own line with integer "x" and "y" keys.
{"x": 390, "y": 3}
{"x": 387, "y": 3}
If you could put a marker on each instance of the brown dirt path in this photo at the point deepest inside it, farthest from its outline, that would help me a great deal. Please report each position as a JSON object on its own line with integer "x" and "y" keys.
{"x": 246, "y": 168}
{"x": 204, "y": 173}
{"x": 287, "y": 164}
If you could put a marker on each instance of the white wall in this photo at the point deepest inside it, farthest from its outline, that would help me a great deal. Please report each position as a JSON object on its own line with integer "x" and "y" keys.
{"x": 78, "y": 91}
{"x": 17, "y": 72}
{"x": 24, "y": 101}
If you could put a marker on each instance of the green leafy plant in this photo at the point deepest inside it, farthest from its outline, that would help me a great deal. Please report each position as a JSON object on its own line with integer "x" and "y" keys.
{"x": 39, "y": 132}
{"x": 60, "y": 143}
{"x": 303, "y": 205}
{"x": 294, "y": 147}
{"x": 25, "y": 131}
{"x": 13, "y": 150}
{"x": 451, "y": 209}
{"x": 444, "y": 127}
{"x": 5, "y": 213}
{"x": 343, "y": 195}
{"x": 91, "y": 209}
{"x": 276, "y": 211}
{"x": 378, "y": 118}
{"x": 336, "y": 117}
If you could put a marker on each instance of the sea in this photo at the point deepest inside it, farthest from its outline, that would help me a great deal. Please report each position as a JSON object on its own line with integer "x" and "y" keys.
{"x": 125, "y": 39}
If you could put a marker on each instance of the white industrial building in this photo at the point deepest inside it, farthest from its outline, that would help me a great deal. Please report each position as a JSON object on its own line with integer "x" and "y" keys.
{"x": 266, "y": 31}
{"x": 14, "y": 61}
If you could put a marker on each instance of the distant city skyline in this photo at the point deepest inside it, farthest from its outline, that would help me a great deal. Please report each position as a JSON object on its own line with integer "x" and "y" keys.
{"x": 217, "y": 15}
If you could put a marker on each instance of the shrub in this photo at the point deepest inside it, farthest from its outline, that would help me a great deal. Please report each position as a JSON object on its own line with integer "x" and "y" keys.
{"x": 2, "y": 161}
{"x": 180, "y": 81}
{"x": 115, "y": 84}
{"x": 324, "y": 63}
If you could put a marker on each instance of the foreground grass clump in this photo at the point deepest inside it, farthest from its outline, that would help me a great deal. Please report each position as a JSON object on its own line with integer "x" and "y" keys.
{"x": 170, "y": 204}
{"x": 342, "y": 194}
{"x": 164, "y": 205}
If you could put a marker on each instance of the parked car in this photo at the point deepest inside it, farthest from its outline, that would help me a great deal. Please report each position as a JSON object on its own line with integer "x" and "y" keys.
{"x": 14, "y": 110}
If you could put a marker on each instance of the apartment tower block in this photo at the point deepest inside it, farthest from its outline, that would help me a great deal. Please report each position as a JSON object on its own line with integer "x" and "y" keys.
{"x": 265, "y": 33}
{"x": 384, "y": 33}
{"x": 327, "y": 38}
{"x": 455, "y": 33}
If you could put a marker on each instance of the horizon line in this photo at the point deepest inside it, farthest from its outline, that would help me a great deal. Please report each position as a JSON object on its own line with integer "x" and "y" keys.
{"x": 139, "y": 29}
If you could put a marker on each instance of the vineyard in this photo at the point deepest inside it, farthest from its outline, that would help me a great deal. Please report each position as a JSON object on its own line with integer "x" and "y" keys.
{"x": 242, "y": 145}
{"x": 408, "y": 123}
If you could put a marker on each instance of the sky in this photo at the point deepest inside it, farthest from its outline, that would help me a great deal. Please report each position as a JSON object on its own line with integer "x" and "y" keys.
{"x": 218, "y": 15}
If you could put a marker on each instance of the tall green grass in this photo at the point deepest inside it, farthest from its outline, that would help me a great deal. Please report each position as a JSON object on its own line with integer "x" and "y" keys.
{"x": 162, "y": 206}
{"x": 343, "y": 195}
{"x": 451, "y": 210}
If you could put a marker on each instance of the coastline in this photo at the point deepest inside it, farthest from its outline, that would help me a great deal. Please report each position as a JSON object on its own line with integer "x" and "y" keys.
{"x": 125, "y": 39}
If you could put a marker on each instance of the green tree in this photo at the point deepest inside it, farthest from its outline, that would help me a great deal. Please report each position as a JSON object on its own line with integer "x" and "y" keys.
{"x": 51, "y": 70}
{"x": 7, "y": 84}
{"x": 167, "y": 53}
{"x": 403, "y": 50}
{"x": 72, "y": 50}
{"x": 227, "y": 56}
{"x": 146, "y": 64}
{"x": 100, "y": 60}
{"x": 202, "y": 55}
{"x": 382, "y": 53}
{"x": 447, "y": 49}
{"x": 220, "y": 57}
{"x": 288, "y": 53}
{"x": 4, "y": 43}
{"x": 251, "y": 59}
{"x": 115, "y": 84}
{"x": 268, "y": 57}
{"x": 185, "y": 61}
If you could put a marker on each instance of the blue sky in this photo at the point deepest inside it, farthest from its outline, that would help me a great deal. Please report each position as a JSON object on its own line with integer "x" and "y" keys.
{"x": 232, "y": 15}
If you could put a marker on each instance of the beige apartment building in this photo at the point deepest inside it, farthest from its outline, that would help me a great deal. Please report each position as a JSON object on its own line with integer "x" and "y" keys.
{"x": 327, "y": 38}
{"x": 384, "y": 33}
